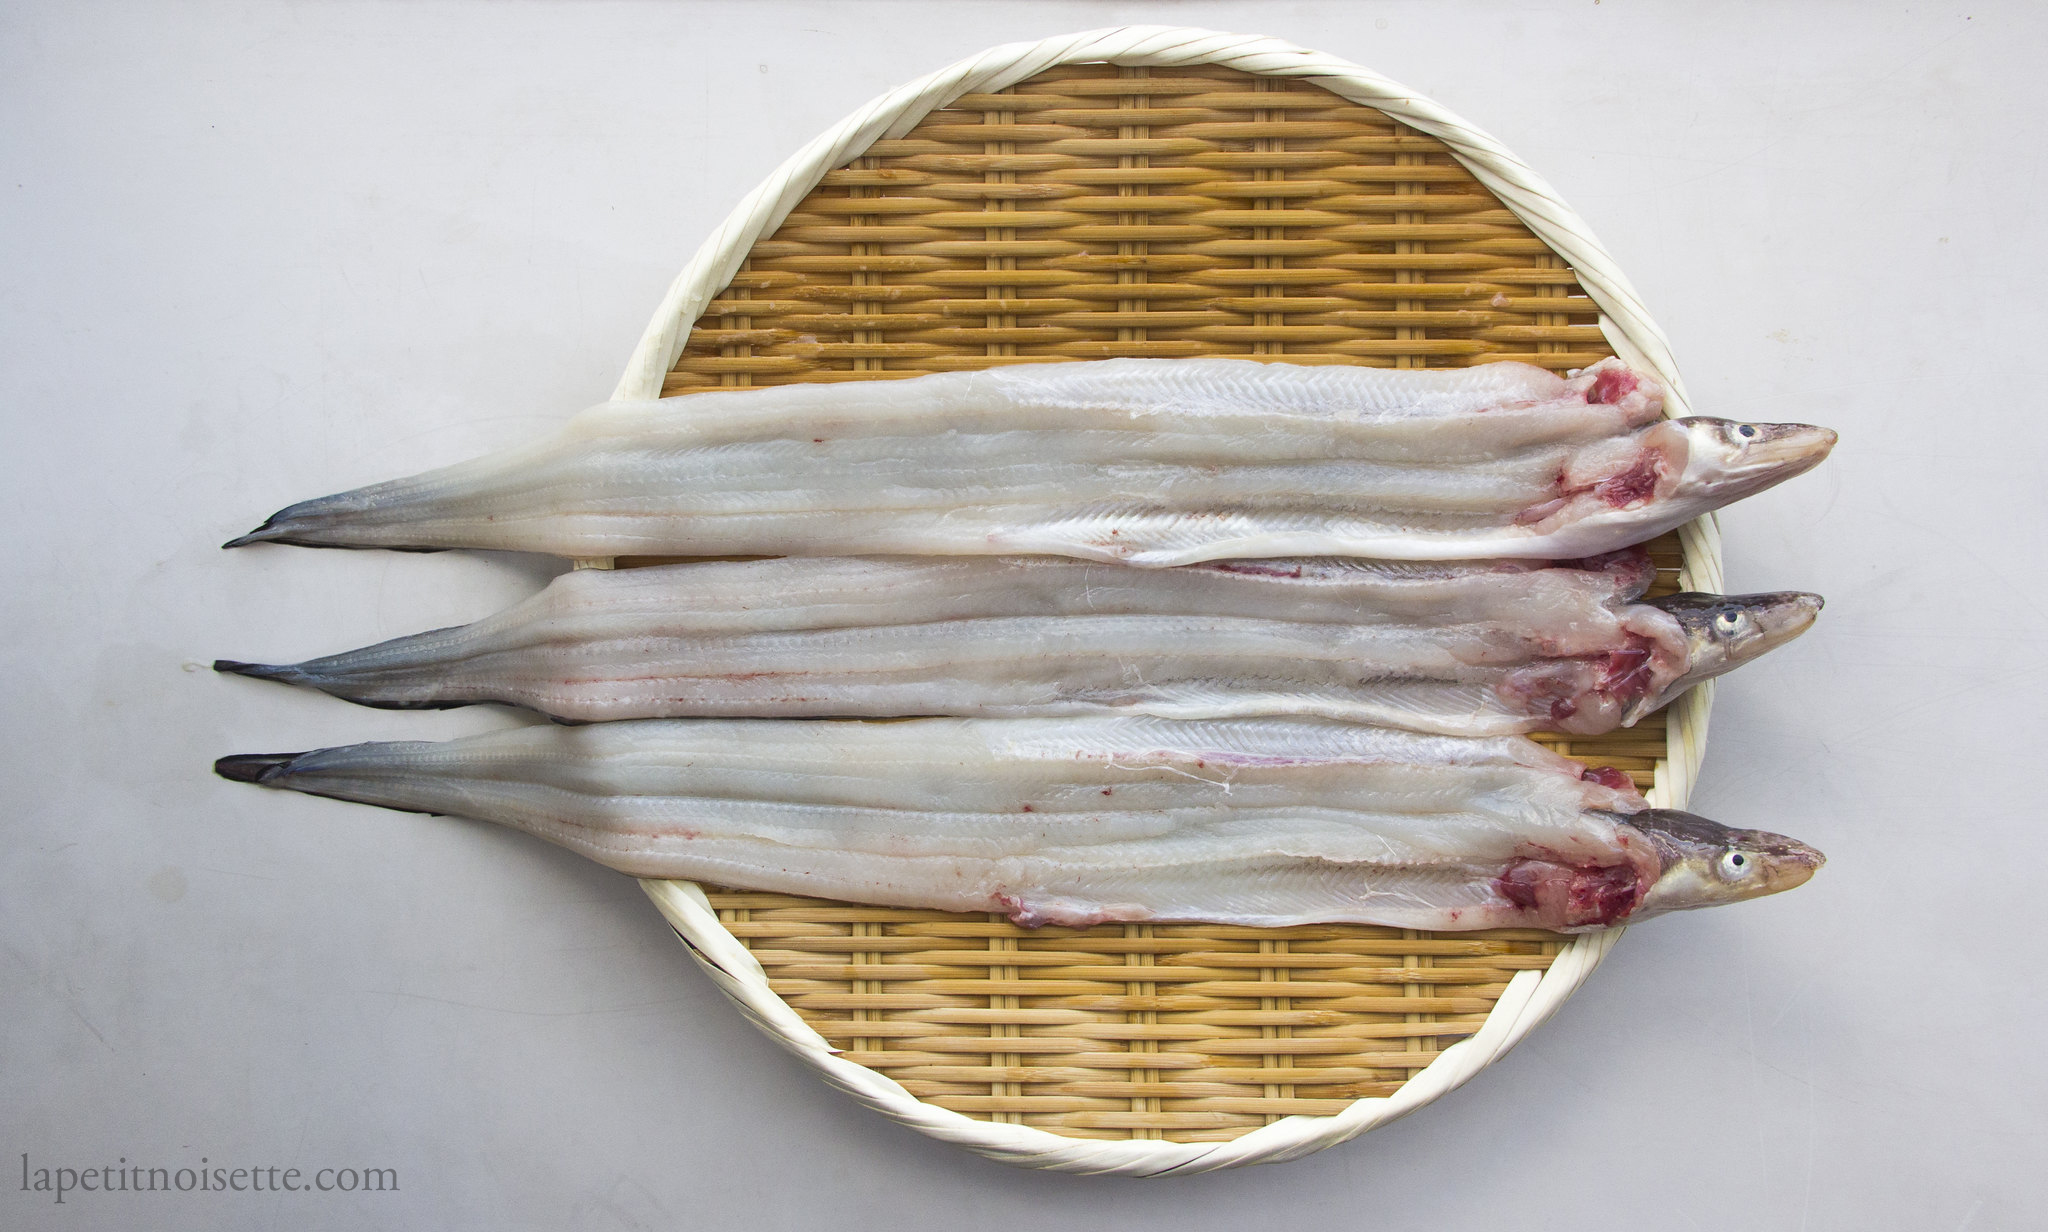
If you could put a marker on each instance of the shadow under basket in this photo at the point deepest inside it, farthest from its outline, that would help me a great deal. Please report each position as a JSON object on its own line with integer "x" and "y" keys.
{"x": 1186, "y": 194}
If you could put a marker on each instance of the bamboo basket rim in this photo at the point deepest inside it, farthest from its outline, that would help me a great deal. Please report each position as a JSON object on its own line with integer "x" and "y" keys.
{"x": 1531, "y": 996}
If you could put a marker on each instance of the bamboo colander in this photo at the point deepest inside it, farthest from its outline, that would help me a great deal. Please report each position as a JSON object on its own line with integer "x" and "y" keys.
{"x": 1149, "y": 191}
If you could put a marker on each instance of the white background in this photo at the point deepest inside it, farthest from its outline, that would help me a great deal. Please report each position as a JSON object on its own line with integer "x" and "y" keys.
{"x": 256, "y": 252}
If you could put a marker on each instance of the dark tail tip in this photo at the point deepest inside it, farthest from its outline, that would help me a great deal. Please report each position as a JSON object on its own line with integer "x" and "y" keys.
{"x": 262, "y": 534}
{"x": 261, "y": 671}
{"x": 254, "y": 767}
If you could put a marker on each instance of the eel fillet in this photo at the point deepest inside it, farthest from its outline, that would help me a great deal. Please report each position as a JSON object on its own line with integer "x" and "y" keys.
{"x": 1080, "y": 821}
{"x": 1461, "y": 649}
{"x": 1140, "y": 461}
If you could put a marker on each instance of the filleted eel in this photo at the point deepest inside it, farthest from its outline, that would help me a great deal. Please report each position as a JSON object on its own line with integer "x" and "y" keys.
{"x": 1472, "y": 649}
{"x": 1265, "y": 822}
{"x": 1141, "y": 461}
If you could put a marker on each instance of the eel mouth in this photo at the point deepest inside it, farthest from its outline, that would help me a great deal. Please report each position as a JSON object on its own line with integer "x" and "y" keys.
{"x": 1707, "y": 864}
{"x": 1790, "y": 444}
{"x": 1732, "y": 460}
{"x": 1723, "y": 632}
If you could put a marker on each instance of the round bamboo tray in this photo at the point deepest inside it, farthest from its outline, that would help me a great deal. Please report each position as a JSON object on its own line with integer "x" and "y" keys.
{"x": 1150, "y": 191}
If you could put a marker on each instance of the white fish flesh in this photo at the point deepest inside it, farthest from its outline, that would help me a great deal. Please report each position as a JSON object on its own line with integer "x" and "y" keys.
{"x": 1462, "y": 649}
{"x": 1080, "y": 821}
{"x": 1146, "y": 462}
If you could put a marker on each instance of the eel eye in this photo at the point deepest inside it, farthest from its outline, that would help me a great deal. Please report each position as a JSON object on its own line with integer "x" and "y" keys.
{"x": 1735, "y": 865}
{"x": 1745, "y": 431}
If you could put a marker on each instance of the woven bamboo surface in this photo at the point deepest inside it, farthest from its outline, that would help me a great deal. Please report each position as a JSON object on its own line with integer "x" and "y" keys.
{"x": 1087, "y": 213}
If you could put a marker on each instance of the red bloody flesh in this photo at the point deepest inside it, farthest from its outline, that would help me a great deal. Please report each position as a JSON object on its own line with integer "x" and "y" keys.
{"x": 1608, "y": 776}
{"x": 1603, "y": 895}
{"x": 1563, "y": 687}
{"x": 1626, "y": 675}
{"x": 1570, "y": 896}
{"x": 1627, "y": 488}
{"x": 1634, "y": 484}
{"x": 1612, "y": 386}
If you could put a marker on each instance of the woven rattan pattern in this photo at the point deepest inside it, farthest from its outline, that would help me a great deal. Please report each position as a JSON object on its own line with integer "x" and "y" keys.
{"x": 1093, "y": 212}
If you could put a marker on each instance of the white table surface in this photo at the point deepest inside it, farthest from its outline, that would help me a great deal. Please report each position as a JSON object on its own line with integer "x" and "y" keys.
{"x": 258, "y": 252}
